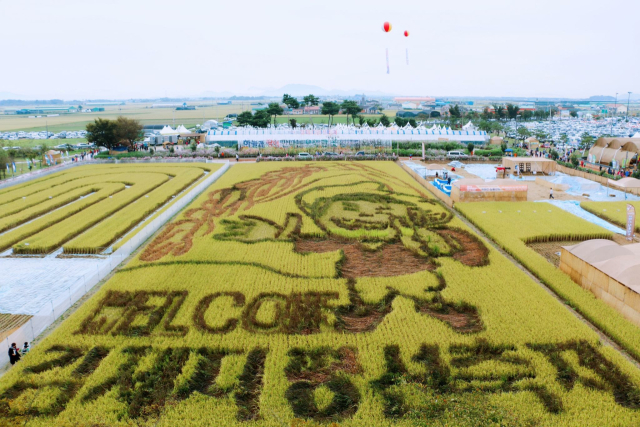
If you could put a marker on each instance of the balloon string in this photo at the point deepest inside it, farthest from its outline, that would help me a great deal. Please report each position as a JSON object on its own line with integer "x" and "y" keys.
{"x": 387, "y": 60}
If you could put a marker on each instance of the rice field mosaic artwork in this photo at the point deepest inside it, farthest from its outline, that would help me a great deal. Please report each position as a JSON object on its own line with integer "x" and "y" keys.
{"x": 318, "y": 294}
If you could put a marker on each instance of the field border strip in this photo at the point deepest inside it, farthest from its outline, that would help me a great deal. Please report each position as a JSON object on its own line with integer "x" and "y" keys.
{"x": 49, "y": 314}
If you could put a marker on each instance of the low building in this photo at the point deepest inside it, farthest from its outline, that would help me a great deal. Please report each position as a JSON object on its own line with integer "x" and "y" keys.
{"x": 610, "y": 271}
{"x": 409, "y": 106}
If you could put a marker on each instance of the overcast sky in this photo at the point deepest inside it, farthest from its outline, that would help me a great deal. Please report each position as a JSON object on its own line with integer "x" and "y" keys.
{"x": 146, "y": 48}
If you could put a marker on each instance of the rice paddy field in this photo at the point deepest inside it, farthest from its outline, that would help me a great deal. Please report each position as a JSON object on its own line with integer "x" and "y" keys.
{"x": 338, "y": 293}
{"x": 614, "y": 212}
{"x": 147, "y": 116}
{"x": 86, "y": 209}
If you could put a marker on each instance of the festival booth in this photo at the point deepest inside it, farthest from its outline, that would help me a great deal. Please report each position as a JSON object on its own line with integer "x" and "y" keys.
{"x": 186, "y": 137}
{"x": 529, "y": 165}
{"x": 52, "y": 157}
{"x": 610, "y": 271}
{"x": 631, "y": 185}
{"x": 615, "y": 152}
{"x": 479, "y": 190}
{"x": 496, "y": 140}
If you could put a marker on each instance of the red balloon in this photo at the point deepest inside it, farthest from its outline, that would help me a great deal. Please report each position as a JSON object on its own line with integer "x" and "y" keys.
{"x": 386, "y": 27}
{"x": 406, "y": 33}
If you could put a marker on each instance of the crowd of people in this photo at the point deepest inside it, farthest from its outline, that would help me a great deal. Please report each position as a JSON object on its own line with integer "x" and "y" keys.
{"x": 85, "y": 155}
{"x": 15, "y": 353}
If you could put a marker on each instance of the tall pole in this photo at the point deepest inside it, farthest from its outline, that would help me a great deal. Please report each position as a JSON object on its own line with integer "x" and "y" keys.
{"x": 615, "y": 108}
{"x": 628, "y": 98}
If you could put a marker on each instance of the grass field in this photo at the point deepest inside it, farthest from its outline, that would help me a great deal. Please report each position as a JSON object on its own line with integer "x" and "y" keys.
{"x": 87, "y": 208}
{"x": 306, "y": 294}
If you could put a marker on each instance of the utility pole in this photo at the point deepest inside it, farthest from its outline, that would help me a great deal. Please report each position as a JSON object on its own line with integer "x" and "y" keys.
{"x": 615, "y": 107}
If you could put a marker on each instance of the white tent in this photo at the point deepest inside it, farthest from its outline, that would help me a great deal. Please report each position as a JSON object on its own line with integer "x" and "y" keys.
{"x": 470, "y": 127}
{"x": 167, "y": 130}
{"x": 182, "y": 130}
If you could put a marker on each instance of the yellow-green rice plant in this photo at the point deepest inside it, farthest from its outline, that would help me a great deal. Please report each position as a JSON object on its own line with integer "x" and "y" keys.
{"x": 235, "y": 315}
{"x": 513, "y": 225}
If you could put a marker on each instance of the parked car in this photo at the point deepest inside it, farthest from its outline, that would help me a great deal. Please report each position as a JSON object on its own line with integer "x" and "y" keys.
{"x": 304, "y": 156}
{"x": 103, "y": 149}
{"x": 329, "y": 153}
{"x": 360, "y": 153}
{"x": 456, "y": 155}
{"x": 64, "y": 147}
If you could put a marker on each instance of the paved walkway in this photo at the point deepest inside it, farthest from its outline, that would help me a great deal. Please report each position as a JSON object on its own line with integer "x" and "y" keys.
{"x": 28, "y": 284}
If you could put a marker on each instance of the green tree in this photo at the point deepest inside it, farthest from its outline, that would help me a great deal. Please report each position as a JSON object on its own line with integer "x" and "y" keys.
{"x": 484, "y": 125}
{"x": 486, "y": 114}
{"x": 455, "y": 111}
{"x": 290, "y": 101}
{"x": 371, "y": 122}
{"x": 499, "y": 111}
{"x": 193, "y": 146}
{"x": 330, "y": 109}
{"x": 401, "y": 122}
{"x": 573, "y": 113}
{"x": 102, "y": 132}
{"x": 503, "y": 147}
{"x": 311, "y": 100}
{"x": 128, "y": 130}
{"x": 524, "y": 133}
{"x": 384, "y": 120}
{"x": 350, "y": 108}
{"x": 293, "y": 123}
{"x": 4, "y": 159}
{"x": 527, "y": 115}
{"x": 361, "y": 119}
{"x": 413, "y": 123}
{"x": 274, "y": 109}
{"x": 586, "y": 141}
{"x": 261, "y": 119}
{"x": 496, "y": 127}
{"x": 512, "y": 111}
{"x": 244, "y": 119}
{"x": 470, "y": 148}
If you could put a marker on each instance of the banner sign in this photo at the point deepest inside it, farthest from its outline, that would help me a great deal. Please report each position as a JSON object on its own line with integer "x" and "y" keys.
{"x": 631, "y": 221}
{"x": 491, "y": 188}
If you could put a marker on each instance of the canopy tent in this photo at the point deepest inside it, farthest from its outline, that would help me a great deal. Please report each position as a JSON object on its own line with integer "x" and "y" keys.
{"x": 625, "y": 183}
{"x": 618, "y": 150}
{"x": 181, "y": 129}
{"x": 529, "y": 165}
{"x": 52, "y": 154}
{"x": 168, "y": 130}
{"x": 469, "y": 126}
{"x": 496, "y": 140}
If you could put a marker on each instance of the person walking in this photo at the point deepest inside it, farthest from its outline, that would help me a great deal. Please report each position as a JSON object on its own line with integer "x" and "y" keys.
{"x": 237, "y": 157}
{"x": 14, "y": 354}
{"x": 551, "y": 194}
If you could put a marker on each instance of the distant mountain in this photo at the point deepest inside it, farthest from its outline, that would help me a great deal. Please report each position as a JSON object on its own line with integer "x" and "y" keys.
{"x": 602, "y": 98}
{"x": 213, "y": 94}
{"x": 302, "y": 90}
{"x": 9, "y": 95}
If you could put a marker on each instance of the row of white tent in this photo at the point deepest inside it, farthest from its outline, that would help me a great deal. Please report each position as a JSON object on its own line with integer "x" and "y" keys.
{"x": 168, "y": 130}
